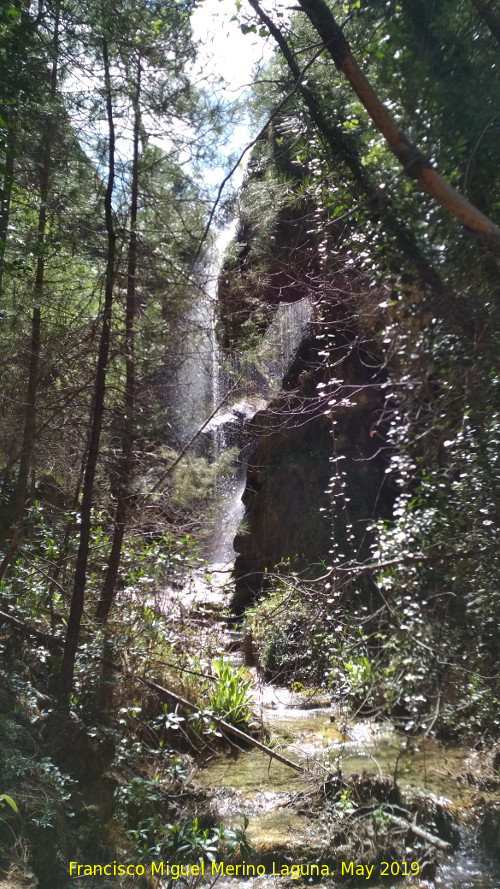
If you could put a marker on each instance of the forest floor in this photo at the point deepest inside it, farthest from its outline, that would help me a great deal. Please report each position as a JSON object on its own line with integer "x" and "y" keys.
{"x": 366, "y": 793}
{"x": 346, "y": 788}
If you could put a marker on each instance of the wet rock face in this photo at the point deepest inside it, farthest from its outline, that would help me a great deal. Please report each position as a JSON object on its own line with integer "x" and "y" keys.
{"x": 230, "y": 426}
{"x": 287, "y": 477}
{"x": 490, "y": 830}
{"x": 257, "y": 279}
{"x": 289, "y": 512}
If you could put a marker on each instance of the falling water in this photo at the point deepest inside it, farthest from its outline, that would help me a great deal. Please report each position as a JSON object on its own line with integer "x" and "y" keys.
{"x": 229, "y": 425}
{"x": 284, "y": 335}
{"x": 188, "y": 368}
{"x": 467, "y": 868}
{"x": 201, "y": 381}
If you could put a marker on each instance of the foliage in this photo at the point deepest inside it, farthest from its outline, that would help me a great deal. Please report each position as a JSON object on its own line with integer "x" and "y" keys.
{"x": 294, "y": 637}
{"x": 41, "y": 571}
{"x": 4, "y": 797}
{"x": 150, "y": 563}
{"x": 229, "y": 696}
{"x": 6, "y": 800}
{"x": 409, "y": 611}
{"x": 192, "y": 843}
{"x": 195, "y": 478}
{"x": 189, "y": 843}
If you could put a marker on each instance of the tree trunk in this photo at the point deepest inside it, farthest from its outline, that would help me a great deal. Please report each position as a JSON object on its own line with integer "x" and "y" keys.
{"x": 29, "y": 427}
{"x": 97, "y": 412}
{"x": 125, "y": 469}
{"x": 62, "y": 561}
{"x": 8, "y": 181}
{"x": 414, "y": 163}
{"x": 489, "y": 17}
{"x": 336, "y": 143}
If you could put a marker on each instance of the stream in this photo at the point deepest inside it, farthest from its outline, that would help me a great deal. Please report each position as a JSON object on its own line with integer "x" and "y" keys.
{"x": 304, "y": 728}
{"x": 264, "y": 791}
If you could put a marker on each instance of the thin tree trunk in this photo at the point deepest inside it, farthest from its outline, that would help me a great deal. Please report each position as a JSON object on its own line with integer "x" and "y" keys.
{"x": 78, "y": 595}
{"x": 63, "y": 554}
{"x": 35, "y": 343}
{"x": 336, "y": 143}
{"x": 414, "y": 163}
{"x": 125, "y": 469}
{"x": 8, "y": 181}
{"x": 489, "y": 17}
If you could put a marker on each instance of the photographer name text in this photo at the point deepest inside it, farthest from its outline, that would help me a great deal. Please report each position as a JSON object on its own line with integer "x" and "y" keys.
{"x": 214, "y": 869}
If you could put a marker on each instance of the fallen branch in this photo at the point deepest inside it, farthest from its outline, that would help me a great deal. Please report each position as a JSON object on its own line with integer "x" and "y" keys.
{"x": 27, "y": 632}
{"x": 226, "y": 726}
{"x": 364, "y": 811}
{"x": 54, "y": 642}
{"x": 418, "y": 831}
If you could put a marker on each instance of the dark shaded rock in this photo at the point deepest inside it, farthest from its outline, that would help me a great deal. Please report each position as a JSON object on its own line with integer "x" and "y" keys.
{"x": 99, "y": 797}
{"x": 489, "y": 832}
{"x": 312, "y": 432}
{"x": 49, "y": 846}
{"x": 496, "y": 763}
{"x": 286, "y": 481}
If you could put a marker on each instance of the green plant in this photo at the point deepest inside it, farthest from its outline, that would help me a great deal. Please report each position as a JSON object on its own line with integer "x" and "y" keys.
{"x": 5, "y": 814}
{"x": 5, "y": 798}
{"x": 295, "y": 637}
{"x": 147, "y": 563}
{"x": 359, "y": 674}
{"x": 229, "y": 696}
{"x": 344, "y": 805}
{"x": 379, "y": 820}
{"x": 188, "y": 843}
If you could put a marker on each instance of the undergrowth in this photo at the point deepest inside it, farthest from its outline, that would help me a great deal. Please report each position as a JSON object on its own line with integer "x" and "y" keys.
{"x": 108, "y": 777}
{"x": 394, "y": 656}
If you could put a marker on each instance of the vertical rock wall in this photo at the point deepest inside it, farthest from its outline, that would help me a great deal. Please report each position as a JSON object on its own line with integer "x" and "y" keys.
{"x": 290, "y": 512}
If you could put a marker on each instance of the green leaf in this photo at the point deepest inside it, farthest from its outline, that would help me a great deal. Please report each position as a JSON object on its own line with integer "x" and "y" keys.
{"x": 10, "y": 802}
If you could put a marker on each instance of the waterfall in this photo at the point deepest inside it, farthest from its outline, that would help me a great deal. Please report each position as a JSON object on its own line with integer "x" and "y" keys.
{"x": 188, "y": 367}
{"x": 284, "y": 335}
{"x": 260, "y": 383}
{"x": 201, "y": 380}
